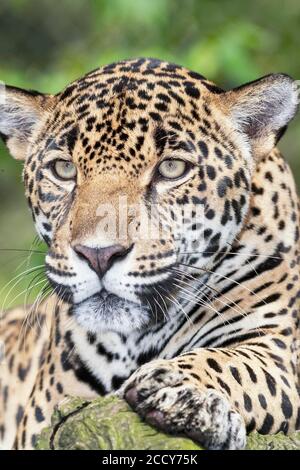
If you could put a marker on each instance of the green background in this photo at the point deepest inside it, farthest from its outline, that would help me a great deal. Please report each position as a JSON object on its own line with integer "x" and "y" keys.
{"x": 44, "y": 44}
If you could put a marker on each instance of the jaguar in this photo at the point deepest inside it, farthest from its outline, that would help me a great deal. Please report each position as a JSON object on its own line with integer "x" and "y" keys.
{"x": 171, "y": 221}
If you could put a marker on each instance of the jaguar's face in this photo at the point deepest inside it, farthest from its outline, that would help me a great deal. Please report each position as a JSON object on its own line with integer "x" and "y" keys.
{"x": 138, "y": 178}
{"x": 129, "y": 186}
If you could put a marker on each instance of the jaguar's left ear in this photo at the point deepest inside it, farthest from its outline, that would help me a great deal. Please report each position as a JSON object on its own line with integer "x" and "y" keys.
{"x": 262, "y": 109}
{"x": 21, "y": 111}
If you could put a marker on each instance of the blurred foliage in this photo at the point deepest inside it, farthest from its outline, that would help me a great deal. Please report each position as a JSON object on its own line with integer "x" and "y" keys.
{"x": 45, "y": 44}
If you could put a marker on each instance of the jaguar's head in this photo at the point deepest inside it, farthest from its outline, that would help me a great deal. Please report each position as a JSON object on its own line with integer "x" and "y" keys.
{"x": 135, "y": 173}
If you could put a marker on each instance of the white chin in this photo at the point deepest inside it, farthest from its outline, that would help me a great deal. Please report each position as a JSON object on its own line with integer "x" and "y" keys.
{"x": 97, "y": 315}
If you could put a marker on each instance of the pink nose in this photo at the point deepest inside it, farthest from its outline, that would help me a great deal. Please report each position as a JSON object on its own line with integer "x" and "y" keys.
{"x": 101, "y": 259}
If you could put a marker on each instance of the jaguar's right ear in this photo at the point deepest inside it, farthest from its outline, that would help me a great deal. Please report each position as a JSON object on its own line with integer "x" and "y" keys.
{"x": 21, "y": 111}
{"x": 262, "y": 109}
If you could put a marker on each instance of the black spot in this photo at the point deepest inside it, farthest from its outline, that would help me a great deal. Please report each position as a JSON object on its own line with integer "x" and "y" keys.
{"x": 23, "y": 371}
{"x": 65, "y": 362}
{"x": 224, "y": 385}
{"x": 251, "y": 426}
{"x": 121, "y": 85}
{"x": 155, "y": 116}
{"x": 39, "y": 415}
{"x": 48, "y": 395}
{"x": 19, "y": 414}
{"x": 214, "y": 365}
{"x": 192, "y": 91}
{"x": 251, "y": 373}
{"x": 161, "y": 106}
{"x": 267, "y": 424}
{"x": 210, "y": 214}
{"x": 91, "y": 337}
{"x": 33, "y": 440}
{"x": 203, "y": 148}
{"x": 247, "y": 402}
{"x": 270, "y": 382}
{"x": 213, "y": 88}
{"x": 262, "y": 401}
{"x": 68, "y": 91}
{"x": 177, "y": 98}
{"x": 185, "y": 366}
{"x": 160, "y": 138}
{"x": 47, "y": 227}
{"x": 286, "y": 332}
{"x": 23, "y": 439}
{"x": 269, "y": 176}
{"x": 196, "y": 76}
{"x": 117, "y": 381}
{"x": 257, "y": 190}
{"x": 71, "y": 138}
{"x": 279, "y": 343}
{"x": 255, "y": 211}
{"x": 211, "y": 172}
{"x": 223, "y": 184}
{"x": 286, "y": 405}
{"x": 235, "y": 374}
{"x": 267, "y": 300}
{"x": 103, "y": 352}
{"x": 228, "y": 161}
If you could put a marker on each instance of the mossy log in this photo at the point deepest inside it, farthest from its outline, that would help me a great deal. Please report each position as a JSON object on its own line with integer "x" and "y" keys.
{"x": 109, "y": 424}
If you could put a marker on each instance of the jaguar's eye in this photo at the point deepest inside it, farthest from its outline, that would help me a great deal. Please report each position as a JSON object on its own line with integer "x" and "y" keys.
{"x": 64, "y": 170}
{"x": 172, "y": 168}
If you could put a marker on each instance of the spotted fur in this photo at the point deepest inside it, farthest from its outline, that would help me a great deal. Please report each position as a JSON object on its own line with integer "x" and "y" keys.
{"x": 201, "y": 337}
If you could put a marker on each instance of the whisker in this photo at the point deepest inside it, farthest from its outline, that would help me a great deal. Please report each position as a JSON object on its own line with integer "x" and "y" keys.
{"x": 23, "y": 273}
{"x": 162, "y": 310}
{"x": 37, "y": 241}
{"x": 47, "y": 290}
{"x": 150, "y": 306}
{"x": 175, "y": 302}
{"x": 224, "y": 277}
{"x": 188, "y": 296}
{"x": 27, "y": 324}
{"x": 238, "y": 309}
{"x": 30, "y": 290}
{"x": 193, "y": 297}
{"x": 19, "y": 278}
{"x": 205, "y": 304}
{"x": 228, "y": 253}
{"x": 199, "y": 301}
{"x": 24, "y": 291}
{"x": 166, "y": 308}
{"x": 21, "y": 250}
{"x": 165, "y": 305}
